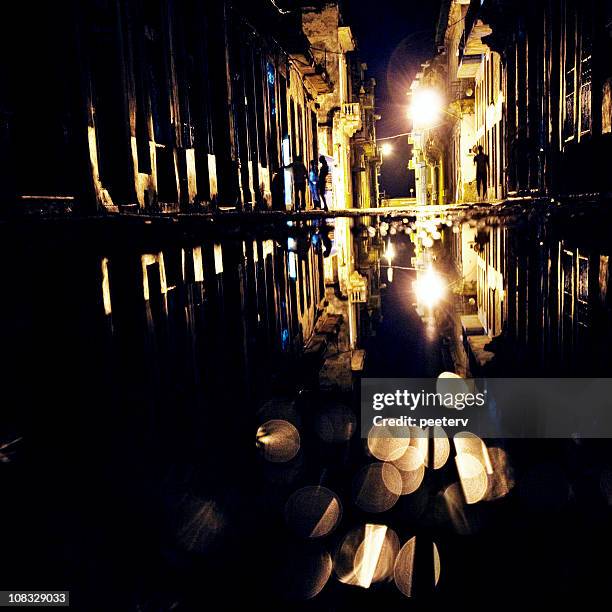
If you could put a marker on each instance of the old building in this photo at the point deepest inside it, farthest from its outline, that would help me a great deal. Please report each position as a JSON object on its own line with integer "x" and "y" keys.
{"x": 167, "y": 105}
{"x": 537, "y": 77}
{"x": 460, "y": 88}
{"x": 465, "y": 82}
{"x": 555, "y": 75}
{"x": 429, "y": 136}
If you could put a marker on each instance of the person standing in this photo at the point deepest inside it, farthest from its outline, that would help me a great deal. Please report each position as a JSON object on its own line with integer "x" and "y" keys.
{"x": 482, "y": 173}
{"x": 313, "y": 180}
{"x": 300, "y": 175}
{"x": 277, "y": 188}
{"x": 322, "y": 181}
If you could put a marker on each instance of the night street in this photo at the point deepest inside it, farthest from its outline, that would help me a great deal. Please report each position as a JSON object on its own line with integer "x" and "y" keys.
{"x": 306, "y": 305}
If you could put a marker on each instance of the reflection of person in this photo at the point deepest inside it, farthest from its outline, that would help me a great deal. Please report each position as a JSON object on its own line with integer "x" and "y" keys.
{"x": 313, "y": 179}
{"x": 482, "y": 172}
{"x": 300, "y": 174}
{"x": 322, "y": 182}
{"x": 325, "y": 239}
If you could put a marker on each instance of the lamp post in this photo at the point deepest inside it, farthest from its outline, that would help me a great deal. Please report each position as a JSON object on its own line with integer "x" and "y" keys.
{"x": 426, "y": 106}
{"x": 386, "y": 149}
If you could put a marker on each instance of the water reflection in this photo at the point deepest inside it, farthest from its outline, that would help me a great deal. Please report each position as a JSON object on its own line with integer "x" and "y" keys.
{"x": 163, "y": 389}
{"x": 540, "y": 284}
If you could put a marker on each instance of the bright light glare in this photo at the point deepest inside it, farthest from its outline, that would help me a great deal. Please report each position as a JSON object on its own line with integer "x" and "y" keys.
{"x": 429, "y": 288}
{"x": 390, "y": 252}
{"x": 425, "y": 107}
{"x": 386, "y": 148}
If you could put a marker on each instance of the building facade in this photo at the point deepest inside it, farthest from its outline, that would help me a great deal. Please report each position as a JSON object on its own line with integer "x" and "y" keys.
{"x": 172, "y": 105}
{"x": 429, "y": 139}
{"x": 537, "y": 77}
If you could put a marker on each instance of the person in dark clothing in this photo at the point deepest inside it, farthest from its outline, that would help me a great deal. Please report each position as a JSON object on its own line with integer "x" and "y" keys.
{"x": 482, "y": 172}
{"x": 278, "y": 190}
{"x": 313, "y": 184}
{"x": 322, "y": 184}
{"x": 300, "y": 176}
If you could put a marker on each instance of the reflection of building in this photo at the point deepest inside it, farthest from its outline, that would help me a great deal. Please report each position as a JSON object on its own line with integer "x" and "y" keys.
{"x": 465, "y": 257}
{"x": 557, "y": 297}
{"x": 490, "y": 288}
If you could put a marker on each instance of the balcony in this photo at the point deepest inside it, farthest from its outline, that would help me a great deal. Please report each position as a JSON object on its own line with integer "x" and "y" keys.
{"x": 318, "y": 79}
{"x": 472, "y": 48}
{"x": 312, "y": 71}
{"x": 462, "y": 89}
{"x": 351, "y": 117}
{"x": 358, "y": 288}
{"x": 461, "y": 97}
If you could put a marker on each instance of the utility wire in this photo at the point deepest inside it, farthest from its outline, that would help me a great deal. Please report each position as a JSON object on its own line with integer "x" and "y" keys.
{"x": 393, "y": 137}
{"x": 279, "y": 9}
{"x": 431, "y": 127}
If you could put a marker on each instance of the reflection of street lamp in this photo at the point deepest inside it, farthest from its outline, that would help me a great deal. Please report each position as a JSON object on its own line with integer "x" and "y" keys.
{"x": 425, "y": 107}
{"x": 390, "y": 254}
{"x": 429, "y": 288}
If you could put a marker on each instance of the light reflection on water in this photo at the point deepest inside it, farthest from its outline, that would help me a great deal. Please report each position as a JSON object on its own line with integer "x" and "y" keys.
{"x": 164, "y": 368}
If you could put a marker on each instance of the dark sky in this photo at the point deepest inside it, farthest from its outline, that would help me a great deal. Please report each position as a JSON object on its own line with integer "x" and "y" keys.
{"x": 394, "y": 37}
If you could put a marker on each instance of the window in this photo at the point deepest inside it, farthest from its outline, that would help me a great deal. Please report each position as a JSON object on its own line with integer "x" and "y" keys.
{"x": 583, "y": 279}
{"x": 273, "y": 114}
{"x": 586, "y": 74}
{"x": 260, "y": 110}
{"x": 569, "y": 122}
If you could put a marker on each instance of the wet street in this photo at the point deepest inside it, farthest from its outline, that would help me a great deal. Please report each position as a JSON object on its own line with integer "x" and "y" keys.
{"x": 259, "y": 480}
{"x": 405, "y": 346}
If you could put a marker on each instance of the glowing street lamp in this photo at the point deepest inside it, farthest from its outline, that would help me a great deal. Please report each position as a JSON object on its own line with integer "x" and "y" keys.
{"x": 425, "y": 107}
{"x": 429, "y": 288}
